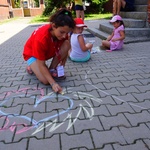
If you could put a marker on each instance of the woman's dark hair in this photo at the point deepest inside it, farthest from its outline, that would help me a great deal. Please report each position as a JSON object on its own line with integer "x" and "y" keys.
{"x": 61, "y": 18}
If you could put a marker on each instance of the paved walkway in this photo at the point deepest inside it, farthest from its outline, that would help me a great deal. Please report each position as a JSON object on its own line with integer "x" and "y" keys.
{"x": 106, "y": 104}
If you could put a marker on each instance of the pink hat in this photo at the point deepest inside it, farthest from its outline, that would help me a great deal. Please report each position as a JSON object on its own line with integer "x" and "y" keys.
{"x": 79, "y": 22}
{"x": 115, "y": 18}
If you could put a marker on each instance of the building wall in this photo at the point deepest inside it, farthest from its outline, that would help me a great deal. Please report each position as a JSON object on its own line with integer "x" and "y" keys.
{"x": 7, "y": 12}
{"x": 18, "y": 12}
{"x": 33, "y": 11}
{"x": 36, "y": 11}
{"x": 4, "y": 10}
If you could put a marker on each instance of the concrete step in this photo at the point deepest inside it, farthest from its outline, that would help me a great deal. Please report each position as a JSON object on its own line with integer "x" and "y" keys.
{"x": 140, "y": 2}
{"x": 131, "y": 23}
{"x": 131, "y": 32}
{"x": 134, "y": 23}
{"x": 136, "y": 28}
{"x": 106, "y": 27}
{"x": 141, "y": 8}
{"x": 135, "y": 32}
{"x": 103, "y": 35}
{"x": 134, "y": 15}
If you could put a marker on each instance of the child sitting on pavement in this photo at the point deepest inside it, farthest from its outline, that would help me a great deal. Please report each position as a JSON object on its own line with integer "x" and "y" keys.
{"x": 80, "y": 51}
{"x": 116, "y": 39}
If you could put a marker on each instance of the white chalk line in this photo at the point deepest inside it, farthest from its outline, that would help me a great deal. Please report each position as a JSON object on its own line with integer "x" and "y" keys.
{"x": 106, "y": 93}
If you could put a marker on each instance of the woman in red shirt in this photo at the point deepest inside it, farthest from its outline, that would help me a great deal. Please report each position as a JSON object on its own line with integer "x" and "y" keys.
{"x": 46, "y": 42}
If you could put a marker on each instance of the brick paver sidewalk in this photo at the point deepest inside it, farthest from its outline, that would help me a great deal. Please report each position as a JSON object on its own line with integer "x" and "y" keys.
{"x": 106, "y": 104}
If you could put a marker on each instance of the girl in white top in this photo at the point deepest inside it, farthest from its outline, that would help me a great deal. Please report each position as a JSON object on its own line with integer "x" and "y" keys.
{"x": 80, "y": 51}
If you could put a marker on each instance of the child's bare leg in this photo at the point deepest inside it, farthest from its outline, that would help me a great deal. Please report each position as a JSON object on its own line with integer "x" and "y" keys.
{"x": 103, "y": 43}
{"x": 106, "y": 43}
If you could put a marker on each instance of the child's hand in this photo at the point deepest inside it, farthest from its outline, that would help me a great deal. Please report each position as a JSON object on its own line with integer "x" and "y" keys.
{"x": 89, "y": 45}
{"x": 113, "y": 40}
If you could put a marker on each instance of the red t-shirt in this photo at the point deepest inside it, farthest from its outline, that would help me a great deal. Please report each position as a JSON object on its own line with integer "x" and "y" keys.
{"x": 40, "y": 44}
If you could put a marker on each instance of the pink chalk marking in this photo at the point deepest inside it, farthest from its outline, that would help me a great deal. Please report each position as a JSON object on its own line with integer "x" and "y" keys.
{"x": 14, "y": 125}
{"x": 6, "y": 124}
{"x": 24, "y": 129}
{"x": 23, "y": 90}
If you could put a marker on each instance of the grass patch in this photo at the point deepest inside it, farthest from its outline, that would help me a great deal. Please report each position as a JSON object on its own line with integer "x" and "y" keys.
{"x": 97, "y": 16}
{"x": 40, "y": 19}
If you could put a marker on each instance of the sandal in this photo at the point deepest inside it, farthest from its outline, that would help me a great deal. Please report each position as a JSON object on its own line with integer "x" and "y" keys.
{"x": 55, "y": 75}
{"x": 29, "y": 71}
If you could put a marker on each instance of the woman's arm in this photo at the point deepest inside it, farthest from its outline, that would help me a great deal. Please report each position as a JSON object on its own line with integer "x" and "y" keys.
{"x": 46, "y": 73}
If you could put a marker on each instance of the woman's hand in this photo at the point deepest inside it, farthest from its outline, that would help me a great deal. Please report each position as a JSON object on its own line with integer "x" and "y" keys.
{"x": 56, "y": 88}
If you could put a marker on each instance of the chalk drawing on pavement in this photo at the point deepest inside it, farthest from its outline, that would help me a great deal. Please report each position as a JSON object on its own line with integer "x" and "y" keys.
{"x": 29, "y": 123}
{"x": 10, "y": 119}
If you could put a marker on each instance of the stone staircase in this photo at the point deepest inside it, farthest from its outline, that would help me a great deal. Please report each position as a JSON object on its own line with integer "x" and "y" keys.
{"x": 137, "y": 28}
